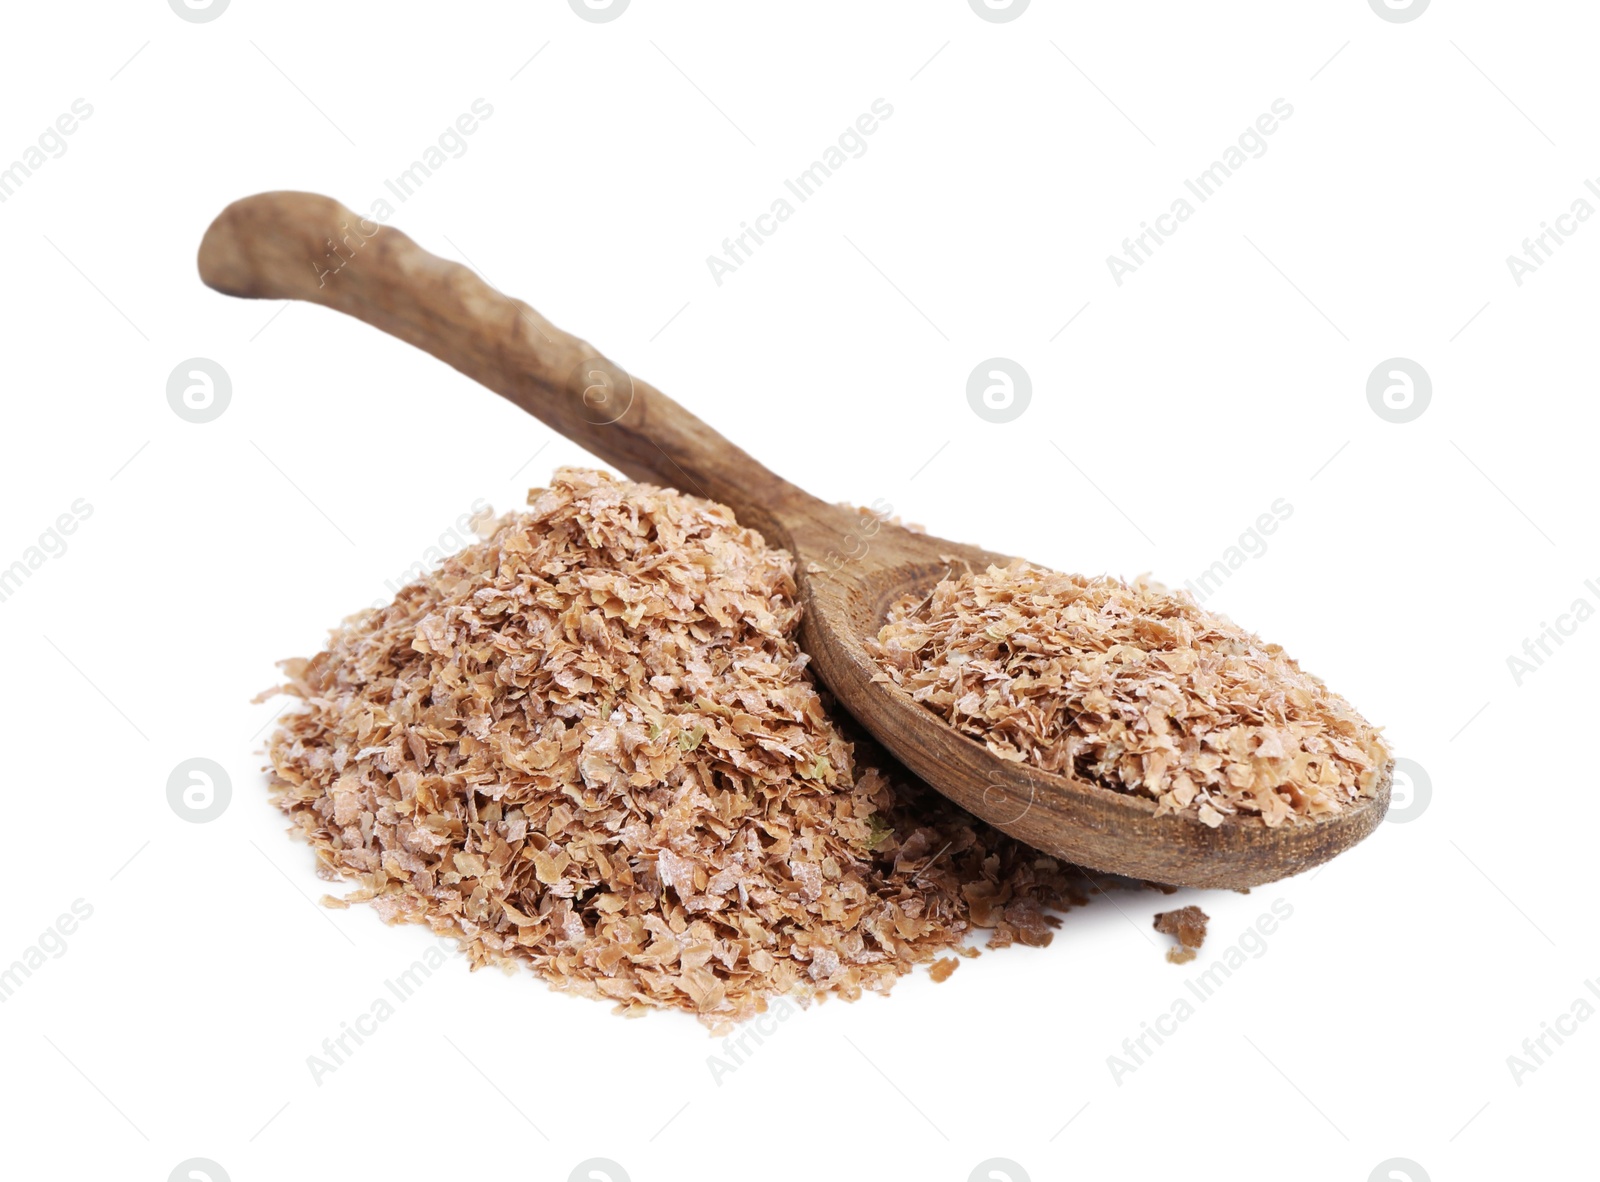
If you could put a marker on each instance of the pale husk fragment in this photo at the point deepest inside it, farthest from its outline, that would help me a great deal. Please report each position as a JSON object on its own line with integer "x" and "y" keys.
{"x": 589, "y": 744}
{"x": 1134, "y": 688}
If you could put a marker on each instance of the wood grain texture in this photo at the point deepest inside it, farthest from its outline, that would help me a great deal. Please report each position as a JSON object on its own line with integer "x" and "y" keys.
{"x": 306, "y": 247}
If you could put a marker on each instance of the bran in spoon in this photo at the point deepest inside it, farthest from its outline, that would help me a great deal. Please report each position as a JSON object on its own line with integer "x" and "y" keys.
{"x": 589, "y": 744}
{"x": 1134, "y": 688}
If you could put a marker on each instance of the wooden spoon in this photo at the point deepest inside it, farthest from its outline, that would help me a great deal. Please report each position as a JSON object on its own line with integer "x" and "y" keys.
{"x": 849, "y": 567}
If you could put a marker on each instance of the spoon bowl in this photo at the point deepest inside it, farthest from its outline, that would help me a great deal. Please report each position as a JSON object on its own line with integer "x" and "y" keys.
{"x": 850, "y": 566}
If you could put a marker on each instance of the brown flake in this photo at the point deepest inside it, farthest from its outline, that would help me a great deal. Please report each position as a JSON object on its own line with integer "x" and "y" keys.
{"x": 1187, "y": 925}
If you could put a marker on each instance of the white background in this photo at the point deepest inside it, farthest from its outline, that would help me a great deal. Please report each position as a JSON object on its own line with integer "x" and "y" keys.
{"x": 1228, "y": 372}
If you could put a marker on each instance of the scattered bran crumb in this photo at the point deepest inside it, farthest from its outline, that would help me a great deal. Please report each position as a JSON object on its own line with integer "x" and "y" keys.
{"x": 1187, "y": 925}
{"x": 942, "y": 968}
{"x": 1134, "y": 688}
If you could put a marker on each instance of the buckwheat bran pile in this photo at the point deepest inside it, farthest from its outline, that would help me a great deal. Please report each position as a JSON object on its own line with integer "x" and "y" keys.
{"x": 589, "y": 744}
{"x": 1134, "y": 688}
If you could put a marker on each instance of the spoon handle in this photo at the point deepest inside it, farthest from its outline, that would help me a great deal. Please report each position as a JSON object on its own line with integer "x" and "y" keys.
{"x": 302, "y": 246}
